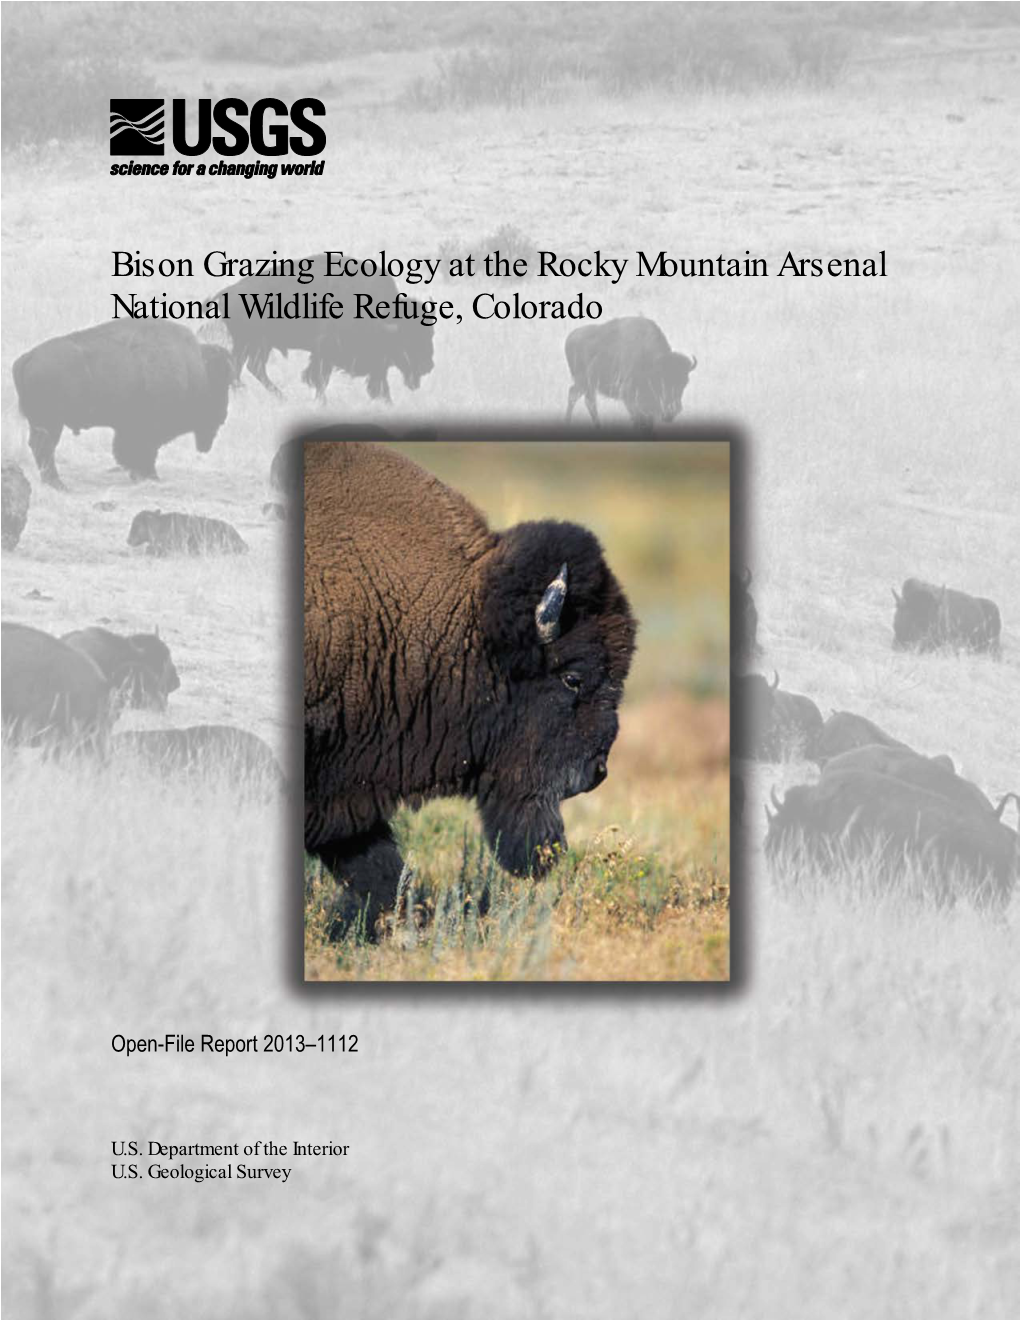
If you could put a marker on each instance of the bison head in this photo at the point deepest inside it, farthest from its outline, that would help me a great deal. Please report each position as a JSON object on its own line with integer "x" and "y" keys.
{"x": 674, "y": 373}
{"x": 151, "y": 675}
{"x": 142, "y": 525}
{"x": 919, "y": 611}
{"x": 558, "y": 640}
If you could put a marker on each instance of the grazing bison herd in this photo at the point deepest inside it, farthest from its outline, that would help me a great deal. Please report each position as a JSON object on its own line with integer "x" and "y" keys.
{"x": 878, "y": 804}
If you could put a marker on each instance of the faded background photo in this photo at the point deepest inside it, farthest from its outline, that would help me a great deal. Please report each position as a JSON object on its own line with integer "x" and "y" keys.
{"x": 835, "y": 1132}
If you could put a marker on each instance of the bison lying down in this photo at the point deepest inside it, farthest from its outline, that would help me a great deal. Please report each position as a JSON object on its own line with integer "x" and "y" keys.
{"x": 53, "y": 695}
{"x": 444, "y": 659}
{"x": 208, "y": 752}
{"x": 184, "y": 534}
{"x": 928, "y": 618}
{"x": 843, "y": 731}
{"x": 149, "y": 380}
{"x": 770, "y": 725}
{"x": 889, "y": 809}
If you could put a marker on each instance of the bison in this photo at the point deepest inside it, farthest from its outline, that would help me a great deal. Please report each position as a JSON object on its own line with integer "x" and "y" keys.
{"x": 207, "y": 751}
{"x": 445, "y": 659}
{"x": 929, "y": 618}
{"x": 743, "y": 619}
{"x": 629, "y": 359}
{"x": 150, "y": 380}
{"x": 53, "y": 695}
{"x": 138, "y": 669}
{"x": 16, "y": 495}
{"x": 843, "y": 731}
{"x": 361, "y": 346}
{"x": 936, "y": 773}
{"x": 888, "y": 825}
{"x": 770, "y": 725}
{"x": 184, "y": 534}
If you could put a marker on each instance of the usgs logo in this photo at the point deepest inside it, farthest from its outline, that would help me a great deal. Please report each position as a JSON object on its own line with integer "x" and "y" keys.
{"x": 228, "y": 127}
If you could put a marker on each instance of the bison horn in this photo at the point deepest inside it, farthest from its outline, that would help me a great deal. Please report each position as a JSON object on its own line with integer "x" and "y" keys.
{"x": 549, "y": 608}
{"x": 896, "y": 596}
{"x": 156, "y": 632}
{"x": 694, "y": 363}
{"x": 1003, "y": 803}
{"x": 775, "y": 681}
{"x": 775, "y": 798}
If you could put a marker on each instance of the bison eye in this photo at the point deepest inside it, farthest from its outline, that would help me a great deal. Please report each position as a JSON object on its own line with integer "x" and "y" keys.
{"x": 572, "y": 681}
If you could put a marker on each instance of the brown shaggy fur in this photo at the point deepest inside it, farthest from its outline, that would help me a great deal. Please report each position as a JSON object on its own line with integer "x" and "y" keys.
{"x": 424, "y": 672}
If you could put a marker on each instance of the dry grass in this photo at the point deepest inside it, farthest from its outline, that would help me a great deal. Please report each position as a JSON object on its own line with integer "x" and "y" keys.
{"x": 642, "y": 899}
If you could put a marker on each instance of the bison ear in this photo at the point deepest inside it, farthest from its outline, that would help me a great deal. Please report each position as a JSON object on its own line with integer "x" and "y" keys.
{"x": 747, "y": 578}
{"x": 550, "y": 607}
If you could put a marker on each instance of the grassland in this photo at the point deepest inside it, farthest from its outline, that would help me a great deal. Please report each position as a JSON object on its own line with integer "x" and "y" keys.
{"x": 834, "y": 1134}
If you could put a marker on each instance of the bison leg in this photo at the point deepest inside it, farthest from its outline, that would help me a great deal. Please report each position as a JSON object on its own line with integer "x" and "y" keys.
{"x": 257, "y": 366}
{"x": 379, "y": 388}
{"x": 573, "y": 394}
{"x": 317, "y": 375}
{"x": 367, "y": 868}
{"x": 592, "y": 406}
{"x": 238, "y": 357}
{"x": 43, "y": 444}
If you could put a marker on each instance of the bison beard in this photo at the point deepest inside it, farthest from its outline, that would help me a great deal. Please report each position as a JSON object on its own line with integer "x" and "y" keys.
{"x": 443, "y": 659}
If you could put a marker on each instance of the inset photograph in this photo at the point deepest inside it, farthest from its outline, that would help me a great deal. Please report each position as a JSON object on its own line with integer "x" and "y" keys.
{"x": 516, "y": 713}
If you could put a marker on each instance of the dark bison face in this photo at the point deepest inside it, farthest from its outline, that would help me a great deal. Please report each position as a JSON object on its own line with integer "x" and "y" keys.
{"x": 561, "y": 659}
{"x": 141, "y": 528}
{"x": 674, "y": 374}
{"x": 916, "y": 621}
{"x": 153, "y": 675}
